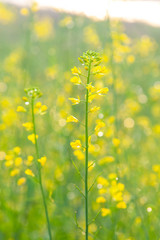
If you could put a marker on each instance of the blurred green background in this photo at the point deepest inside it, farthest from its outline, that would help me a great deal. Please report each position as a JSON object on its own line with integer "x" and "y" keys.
{"x": 38, "y": 48}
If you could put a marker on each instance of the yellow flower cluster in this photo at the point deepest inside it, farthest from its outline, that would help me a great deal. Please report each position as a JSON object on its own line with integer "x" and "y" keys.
{"x": 16, "y": 165}
{"x": 111, "y": 188}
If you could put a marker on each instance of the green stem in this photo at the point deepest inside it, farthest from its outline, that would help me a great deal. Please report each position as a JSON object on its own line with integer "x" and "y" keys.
{"x": 39, "y": 172}
{"x": 86, "y": 157}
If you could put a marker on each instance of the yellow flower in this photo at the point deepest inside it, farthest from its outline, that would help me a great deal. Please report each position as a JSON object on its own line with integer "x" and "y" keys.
{"x": 116, "y": 142}
{"x": 112, "y": 176}
{"x": 76, "y": 80}
{"x": 118, "y": 196}
{"x": 29, "y": 172}
{"x": 18, "y": 161}
{"x": 17, "y": 150}
{"x": 21, "y": 109}
{"x": 94, "y": 109}
{"x": 91, "y": 88}
{"x": 14, "y": 172}
{"x": 76, "y": 71}
{"x": 105, "y": 212}
{"x": 101, "y": 200}
{"x": 43, "y": 28}
{"x": 76, "y": 144}
{"x": 75, "y": 100}
{"x": 21, "y": 181}
{"x": 24, "y": 11}
{"x": 79, "y": 154}
{"x": 25, "y": 99}
{"x": 8, "y": 163}
{"x": 28, "y": 126}
{"x": 71, "y": 119}
{"x": 102, "y": 181}
{"x": 38, "y": 105}
{"x": 99, "y": 125}
{"x": 120, "y": 186}
{"x": 34, "y": 6}
{"x": 42, "y": 161}
{"x": 8, "y": 157}
{"x": 32, "y": 138}
{"x": 121, "y": 205}
{"x": 6, "y": 16}
{"x": 91, "y": 97}
{"x": 30, "y": 158}
{"x": 156, "y": 168}
{"x": 107, "y": 159}
{"x": 130, "y": 59}
{"x": 100, "y": 71}
{"x": 102, "y": 91}
{"x": 44, "y": 108}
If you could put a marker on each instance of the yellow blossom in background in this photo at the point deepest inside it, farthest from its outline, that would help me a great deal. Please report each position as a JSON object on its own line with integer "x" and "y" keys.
{"x": 17, "y": 150}
{"x": 71, "y": 119}
{"x": 67, "y": 21}
{"x": 117, "y": 196}
{"x": 29, "y": 172}
{"x": 42, "y": 161}
{"x": 43, "y": 28}
{"x": 51, "y": 72}
{"x": 112, "y": 176}
{"x": 6, "y": 15}
{"x": 107, "y": 159}
{"x": 156, "y": 168}
{"x": 21, "y": 181}
{"x": 94, "y": 109}
{"x": 101, "y": 200}
{"x": 18, "y": 161}
{"x": 102, "y": 181}
{"x": 79, "y": 154}
{"x": 100, "y": 124}
{"x": 105, "y": 212}
{"x": 32, "y": 138}
{"x": 44, "y": 108}
{"x": 76, "y": 80}
{"x": 138, "y": 220}
{"x": 24, "y": 11}
{"x": 130, "y": 59}
{"x": 28, "y": 126}
{"x": 14, "y": 172}
{"x": 38, "y": 105}
{"x": 21, "y": 109}
{"x": 34, "y": 7}
{"x": 29, "y": 160}
{"x": 75, "y": 100}
{"x": 116, "y": 142}
{"x": 121, "y": 205}
{"x": 91, "y": 36}
{"x": 76, "y": 144}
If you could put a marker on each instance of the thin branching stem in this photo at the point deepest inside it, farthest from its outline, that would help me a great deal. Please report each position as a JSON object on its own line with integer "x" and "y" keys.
{"x": 86, "y": 156}
{"x": 39, "y": 171}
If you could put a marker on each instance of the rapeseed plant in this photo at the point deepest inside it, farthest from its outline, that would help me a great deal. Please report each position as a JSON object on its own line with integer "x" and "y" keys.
{"x": 91, "y": 63}
{"x": 36, "y": 108}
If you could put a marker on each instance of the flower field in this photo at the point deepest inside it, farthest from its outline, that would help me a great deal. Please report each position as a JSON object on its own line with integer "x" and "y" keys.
{"x": 79, "y": 127}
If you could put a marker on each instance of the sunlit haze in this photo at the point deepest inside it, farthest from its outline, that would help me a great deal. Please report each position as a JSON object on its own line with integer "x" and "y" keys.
{"x": 145, "y": 11}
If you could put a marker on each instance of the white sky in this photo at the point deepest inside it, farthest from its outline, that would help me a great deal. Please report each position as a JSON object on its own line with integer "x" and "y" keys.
{"x": 146, "y": 11}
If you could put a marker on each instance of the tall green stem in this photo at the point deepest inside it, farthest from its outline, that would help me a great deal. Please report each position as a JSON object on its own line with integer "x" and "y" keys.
{"x": 86, "y": 157}
{"x": 39, "y": 172}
